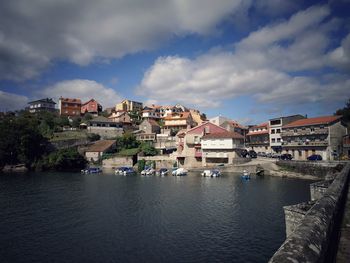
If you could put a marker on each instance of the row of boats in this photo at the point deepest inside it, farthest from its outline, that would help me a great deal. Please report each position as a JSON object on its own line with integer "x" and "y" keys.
{"x": 164, "y": 172}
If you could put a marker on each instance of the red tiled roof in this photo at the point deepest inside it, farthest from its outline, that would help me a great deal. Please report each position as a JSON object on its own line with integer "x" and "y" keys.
{"x": 70, "y": 100}
{"x": 101, "y": 146}
{"x": 313, "y": 121}
{"x": 257, "y": 133}
{"x": 178, "y": 116}
{"x": 92, "y": 100}
{"x": 265, "y": 124}
{"x": 234, "y": 135}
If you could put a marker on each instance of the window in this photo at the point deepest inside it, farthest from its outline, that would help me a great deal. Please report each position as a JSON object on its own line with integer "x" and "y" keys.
{"x": 278, "y": 139}
{"x": 272, "y": 131}
{"x": 295, "y": 130}
{"x": 300, "y": 153}
{"x": 278, "y": 131}
{"x": 273, "y": 140}
{"x": 312, "y": 129}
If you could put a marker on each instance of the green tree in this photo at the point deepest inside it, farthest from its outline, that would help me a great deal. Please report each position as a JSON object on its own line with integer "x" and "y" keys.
{"x": 64, "y": 160}
{"x": 127, "y": 141}
{"x": 345, "y": 112}
{"x": 148, "y": 150}
{"x": 141, "y": 165}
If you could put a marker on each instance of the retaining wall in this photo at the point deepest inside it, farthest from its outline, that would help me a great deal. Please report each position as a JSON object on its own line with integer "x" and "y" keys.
{"x": 315, "y": 238}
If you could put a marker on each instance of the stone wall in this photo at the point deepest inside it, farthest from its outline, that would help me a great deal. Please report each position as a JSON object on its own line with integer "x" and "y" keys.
{"x": 162, "y": 161}
{"x": 63, "y": 144}
{"x": 117, "y": 162}
{"x": 315, "y": 238}
{"x": 317, "y": 169}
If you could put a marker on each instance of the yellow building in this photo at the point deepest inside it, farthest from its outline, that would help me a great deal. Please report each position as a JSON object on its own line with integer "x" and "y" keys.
{"x": 129, "y": 105}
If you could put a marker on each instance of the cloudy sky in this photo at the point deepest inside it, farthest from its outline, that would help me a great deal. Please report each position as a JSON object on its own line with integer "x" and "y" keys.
{"x": 244, "y": 59}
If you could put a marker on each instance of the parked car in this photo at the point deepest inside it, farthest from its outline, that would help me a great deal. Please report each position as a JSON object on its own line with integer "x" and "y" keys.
{"x": 243, "y": 153}
{"x": 286, "y": 156}
{"x": 252, "y": 154}
{"x": 315, "y": 157}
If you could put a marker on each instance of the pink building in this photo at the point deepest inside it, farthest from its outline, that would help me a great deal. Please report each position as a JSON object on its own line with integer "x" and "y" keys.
{"x": 91, "y": 106}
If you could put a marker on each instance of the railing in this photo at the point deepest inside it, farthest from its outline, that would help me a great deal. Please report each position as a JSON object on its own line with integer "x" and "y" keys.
{"x": 305, "y": 132}
{"x": 215, "y": 155}
{"x": 292, "y": 144}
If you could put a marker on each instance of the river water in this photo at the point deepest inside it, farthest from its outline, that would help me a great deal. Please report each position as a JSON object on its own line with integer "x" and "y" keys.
{"x": 63, "y": 217}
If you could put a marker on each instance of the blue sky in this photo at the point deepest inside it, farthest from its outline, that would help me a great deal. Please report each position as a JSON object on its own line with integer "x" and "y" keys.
{"x": 247, "y": 60}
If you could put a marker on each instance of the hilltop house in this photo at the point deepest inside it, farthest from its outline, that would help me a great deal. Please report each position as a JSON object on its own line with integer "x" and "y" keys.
{"x": 91, "y": 106}
{"x": 320, "y": 135}
{"x": 129, "y": 106}
{"x": 42, "y": 105}
{"x": 69, "y": 107}
{"x": 178, "y": 121}
{"x": 148, "y": 130}
{"x": 151, "y": 112}
{"x": 121, "y": 116}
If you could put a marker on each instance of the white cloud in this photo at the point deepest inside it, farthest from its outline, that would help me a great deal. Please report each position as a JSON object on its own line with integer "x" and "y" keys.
{"x": 34, "y": 33}
{"x": 82, "y": 89}
{"x": 268, "y": 65}
{"x": 10, "y": 101}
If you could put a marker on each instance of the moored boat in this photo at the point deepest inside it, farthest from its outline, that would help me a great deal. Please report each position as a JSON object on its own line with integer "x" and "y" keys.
{"x": 162, "y": 172}
{"x": 245, "y": 175}
{"x": 211, "y": 173}
{"x": 179, "y": 172}
{"x": 91, "y": 170}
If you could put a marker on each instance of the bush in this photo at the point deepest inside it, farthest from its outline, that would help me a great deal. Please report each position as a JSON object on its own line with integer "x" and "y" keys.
{"x": 63, "y": 160}
{"x": 148, "y": 150}
{"x": 93, "y": 137}
{"x": 141, "y": 165}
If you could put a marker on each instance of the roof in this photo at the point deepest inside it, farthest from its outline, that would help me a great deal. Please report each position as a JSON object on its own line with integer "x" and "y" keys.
{"x": 100, "y": 119}
{"x": 265, "y": 124}
{"x": 70, "y": 100}
{"x": 223, "y": 135}
{"x": 257, "y": 132}
{"x": 47, "y": 100}
{"x": 313, "y": 121}
{"x": 153, "y": 122}
{"x": 92, "y": 100}
{"x": 235, "y": 124}
{"x": 101, "y": 146}
{"x": 177, "y": 116}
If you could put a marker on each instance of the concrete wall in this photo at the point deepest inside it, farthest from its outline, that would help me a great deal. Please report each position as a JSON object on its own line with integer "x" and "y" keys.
{"x": 335, "y": 137}
{"x": 315, "y": 238}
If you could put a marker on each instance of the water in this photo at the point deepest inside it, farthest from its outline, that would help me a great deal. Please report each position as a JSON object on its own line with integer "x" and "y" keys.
{"x": 62, "y": 217}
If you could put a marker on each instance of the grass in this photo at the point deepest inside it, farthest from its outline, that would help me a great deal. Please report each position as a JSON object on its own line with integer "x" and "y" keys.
{"x": 66, "y": 135}
{"x": 129, "y": 152}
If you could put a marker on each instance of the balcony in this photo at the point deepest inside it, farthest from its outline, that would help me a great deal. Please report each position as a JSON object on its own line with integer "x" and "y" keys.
{"x": 215, "y": 155}
{"x": 304, "y": 132}
{"x": 198, "y": 154}
{"x": 298, "y": 144}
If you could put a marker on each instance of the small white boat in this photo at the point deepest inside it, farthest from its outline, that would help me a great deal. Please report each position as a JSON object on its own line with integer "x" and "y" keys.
{"x": 179, "y": 172}
{"x": 211, "y": 173}
{"x": 245, "y": 175}
{"x": 124, "y": 171}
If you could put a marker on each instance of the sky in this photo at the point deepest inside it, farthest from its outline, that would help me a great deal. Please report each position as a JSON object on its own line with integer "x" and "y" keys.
{"x": 249, "y": 60}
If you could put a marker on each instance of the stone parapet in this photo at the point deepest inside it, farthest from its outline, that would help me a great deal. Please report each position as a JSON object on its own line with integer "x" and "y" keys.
{"x": 315, "y": 238}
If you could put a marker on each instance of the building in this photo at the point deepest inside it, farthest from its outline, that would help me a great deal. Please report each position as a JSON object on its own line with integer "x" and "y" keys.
{"x": 104, "y": 127}
{"x": 69, "y": 107}
{"x": 276, "y": 126}
{"x": 151, "y": 112}
{"x": 258, "y": 138}
{"x": 178, "y": 121}
{"x": 320, "y": 135}
{"x": 148, "y": 130}
{"x": 219, "y": 120}
{"x": 197, "y": 116}
{"x": 95, "y": 151}
{"x": 92, "y": 107}
{"x": 129, "y": 106}
{"x": 217, "y": 140}
{"x": 120, "y": 116}
{"x": 233, "y": 126}
{"x": 42, "y": 105}
{"x": 221, "y": 147}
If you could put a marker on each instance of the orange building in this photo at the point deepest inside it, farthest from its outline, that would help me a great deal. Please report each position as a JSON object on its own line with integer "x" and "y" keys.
{"x": 69, "y": 107}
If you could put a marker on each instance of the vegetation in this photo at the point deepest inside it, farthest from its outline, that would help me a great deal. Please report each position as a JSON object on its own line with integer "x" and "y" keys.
{"x": 63, "y": 160}
{"x": 345, "y": 112}
{"x": 24, "y": 139}
{"x": 141, "y": 165}
{"x": 129, "y": 152}
{"x": 148, "y": 150}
